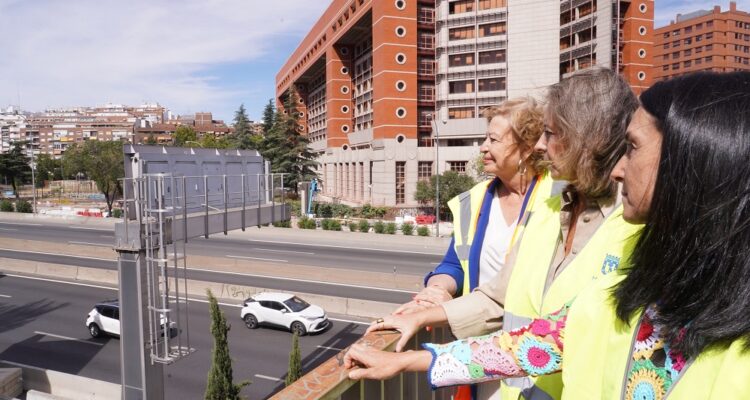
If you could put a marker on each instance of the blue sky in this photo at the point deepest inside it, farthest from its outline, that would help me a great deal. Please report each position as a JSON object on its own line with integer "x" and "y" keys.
{"x": 188, "y": 55}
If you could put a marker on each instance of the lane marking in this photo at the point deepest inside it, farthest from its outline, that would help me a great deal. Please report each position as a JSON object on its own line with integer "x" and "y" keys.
{"x": 68, "y": 338}
{"x": 270, "y": 378}
{"x": 329, "y": 348}
{"x": 56, "y": 254}
{"x": 302, "y": 280}
{"x": 8, "y": 229}
{"x": 255, "y": 258}
{"x": 5, "y": 296}
{"x": 92, "y": 244}
{"x": 284, "y": 251}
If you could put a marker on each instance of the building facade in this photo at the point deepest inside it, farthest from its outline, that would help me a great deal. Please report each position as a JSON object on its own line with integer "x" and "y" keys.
{"x": 392, "y": 92}
{"x": 703, "y": 40}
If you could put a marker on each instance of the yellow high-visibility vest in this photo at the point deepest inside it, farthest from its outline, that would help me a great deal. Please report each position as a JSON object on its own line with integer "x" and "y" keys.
{"x": 598, "y": 347}
{"x": 465, "y": 209}
{"x": 607, "y": 250}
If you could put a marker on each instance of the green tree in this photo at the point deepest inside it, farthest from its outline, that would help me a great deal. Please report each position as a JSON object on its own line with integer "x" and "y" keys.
{"x": 451, "y": 185}
{"x": 14, "y": 166}
{"x": 242, "y": 136}
{"x": 269, "y": 116}
{"x": 47, "y": 169}
{"x": 151, "y": 139}
{"x": 212, "y": 142}
{"x": 295, "y": 362}
{"x": 184, "y": 134}
{"x": 287, "y": 148}
{"x": 100, "y": 161}
{"x": 220, "y": 385}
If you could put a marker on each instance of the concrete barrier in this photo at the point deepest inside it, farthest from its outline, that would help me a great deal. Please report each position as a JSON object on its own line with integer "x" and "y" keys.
{"x": 65, "y": 386}
{"x": 11, "y": 384}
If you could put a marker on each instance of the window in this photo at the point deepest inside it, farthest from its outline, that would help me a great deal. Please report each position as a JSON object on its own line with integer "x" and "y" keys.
{"x": 458, "y": 166}
{"x": 426, "y": 93}
{"x": 709, "y": 24}
{"x": 461, "y": 87}
{"x": 461, "y": 112}
{"x": 699, "y": 26}
{"x": 687, "y": 64}
{"x": 665, "y": 57}
{"x": 665, "y": 68}
{"x": 461, "y": 33}
{"x": 492, "y": 57}
{"x": 688, "y": 29}
{"x": 424, "y": 139}
{"x": 688, "y": 41}
{"x": 709, "y": 47}
{"x": 675, "y": 66}
{"x": 426, "y": 41}
{"x": 491, "y": 84}
{"x": 688, "y": 53}
{"x": 495, "y": 29}
{"x": 698, "y": 61}
{"x": 699, "y": 49}
{"x": 488, "y": 4}
{"x": 675, "y": 55}
{"x": 666, "y": 35}
{"x": 424, "y": 170}
{"x": 460, "y": 60}
{"x": 709, "y": 35}
{"x": 666, "y": 45}
{"x": 426, "y": 66}
{"x": 400, "y": 182}
{"x": 709, "y": 58}
{"x": 462, "y": 6}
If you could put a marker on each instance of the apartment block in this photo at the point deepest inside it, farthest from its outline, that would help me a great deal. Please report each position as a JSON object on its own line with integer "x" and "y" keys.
{"x": 703, "y": 40}
{"x": 392, "y": 92}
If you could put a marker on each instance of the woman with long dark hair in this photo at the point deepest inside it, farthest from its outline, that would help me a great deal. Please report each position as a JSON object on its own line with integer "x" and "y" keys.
{"x": 674, "y": 322}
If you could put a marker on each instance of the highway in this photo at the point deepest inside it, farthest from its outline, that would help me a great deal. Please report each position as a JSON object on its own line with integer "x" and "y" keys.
{"x": 375, "y": 258}
{"x": 43, "y": 326}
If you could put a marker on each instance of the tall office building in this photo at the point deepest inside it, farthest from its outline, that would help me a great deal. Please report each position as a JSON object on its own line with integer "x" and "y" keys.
{"x": 392, "y": 92}
{"x": 703, "y": 40}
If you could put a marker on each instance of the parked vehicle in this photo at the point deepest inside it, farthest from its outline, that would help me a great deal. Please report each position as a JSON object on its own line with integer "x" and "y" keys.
{"x": 284, "y": 310}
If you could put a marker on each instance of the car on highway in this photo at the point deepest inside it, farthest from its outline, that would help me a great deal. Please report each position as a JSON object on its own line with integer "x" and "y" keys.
{"x": 284, "y": 310}
{"x": 104, "y": 318}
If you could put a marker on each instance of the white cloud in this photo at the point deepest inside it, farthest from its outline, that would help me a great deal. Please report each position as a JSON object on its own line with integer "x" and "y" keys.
{"x": 87, "y": 52}
{"x": 666, "y": 10}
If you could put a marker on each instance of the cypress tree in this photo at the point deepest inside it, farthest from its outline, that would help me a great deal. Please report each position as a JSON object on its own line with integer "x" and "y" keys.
{"x": 295, "y": 362}
{"x": 220, "y": 385}
{"x": 242, "y": 136}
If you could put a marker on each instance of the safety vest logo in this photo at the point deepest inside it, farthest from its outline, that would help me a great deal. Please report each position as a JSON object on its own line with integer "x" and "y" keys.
{"x": 610, "y": 264}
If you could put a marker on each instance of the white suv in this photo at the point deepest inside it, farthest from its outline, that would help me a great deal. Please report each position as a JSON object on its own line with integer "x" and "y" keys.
{"x": 286, "y": 310}
{"x": 104, "y": 318}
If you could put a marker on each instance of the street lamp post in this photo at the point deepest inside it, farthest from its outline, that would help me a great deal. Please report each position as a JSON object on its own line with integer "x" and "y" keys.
{"x": 437, "y": 172}
{"x": 33, "y": 185}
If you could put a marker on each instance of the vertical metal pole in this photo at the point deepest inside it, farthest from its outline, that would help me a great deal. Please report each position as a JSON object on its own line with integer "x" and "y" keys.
{"x": 244, "y": 204}
{"x": 205, "y": 199}
{"x": 226, "y": 201}
{"x": 184, "y": 210}
{"x": 283, "y": 199}
{"x": 259, "y": 201}
{"x": 437, "y": 176}
{"x": 273, "y": 201}
{"x": 33, "y": 186}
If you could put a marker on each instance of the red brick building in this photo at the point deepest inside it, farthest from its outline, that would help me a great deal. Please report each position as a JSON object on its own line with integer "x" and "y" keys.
{"x": 703, "y": 40}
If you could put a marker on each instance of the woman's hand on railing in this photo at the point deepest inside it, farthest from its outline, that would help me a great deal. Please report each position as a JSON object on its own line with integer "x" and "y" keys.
{"x": 430, "y": 296}
{"x": 368, "y": 363}
{"x": 408, "y": 325}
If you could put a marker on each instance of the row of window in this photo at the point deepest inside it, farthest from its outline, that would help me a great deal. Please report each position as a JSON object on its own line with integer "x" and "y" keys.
{"x": 485, "y": 57}
{"x": 688, "y": 63}
{"x": 689, "y": 52}
{"x": 469, "y": 32}
{"x": 464, "y": 6}
{"x": 484, "y": 85}
{"x": 689, "y": 41}
{"x": 688, "y": 29}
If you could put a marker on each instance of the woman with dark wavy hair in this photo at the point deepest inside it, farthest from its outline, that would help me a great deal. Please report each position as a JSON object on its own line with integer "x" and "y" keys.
{"x": 674, "y": 324}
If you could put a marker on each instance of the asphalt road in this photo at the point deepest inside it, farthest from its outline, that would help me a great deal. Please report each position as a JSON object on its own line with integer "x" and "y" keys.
{"x": 43, "y": 326}
{"x": 284, "y": 284}
{"x": 343, "y": 257}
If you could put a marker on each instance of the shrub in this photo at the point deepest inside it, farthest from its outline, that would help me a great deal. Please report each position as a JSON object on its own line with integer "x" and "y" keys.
{"x": 391, "y": 228}
{"x": 423, "y": 231}
{"x": 117, "y": 213}
{"x": 353, "y": 226}
{"x": 407, "y": 228}
{"x": 341, "y": 210}
{"x": 283, "y": 224}
{"x": 368, "y": 211}
{"x": 334, "y": 225}
{"x": 6, "y": 206}
{"x": 306, "y": 223}
{"x": 326, "y": 224}
{"x": 324, "y": 210}
{"x": 364, "y": 226}
{"x": 23, "y": 206}
{"x": 378, "y": 227}
{"x": 295, "y": 207}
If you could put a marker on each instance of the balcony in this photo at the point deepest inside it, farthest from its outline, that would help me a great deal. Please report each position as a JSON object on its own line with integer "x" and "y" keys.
{"x": 330, "y": 381}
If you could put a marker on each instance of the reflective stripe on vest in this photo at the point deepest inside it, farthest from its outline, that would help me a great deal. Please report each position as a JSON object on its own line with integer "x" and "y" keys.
{"x": 608, "y": 249}
{"x": 598, "y": 346}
